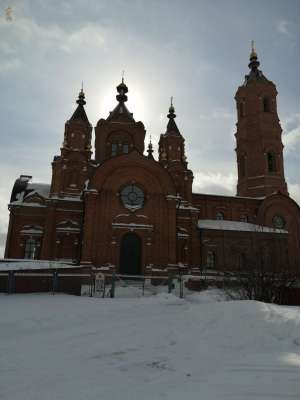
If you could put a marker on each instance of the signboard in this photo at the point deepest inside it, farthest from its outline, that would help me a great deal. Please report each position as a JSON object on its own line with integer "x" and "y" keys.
{"x": 99, "y": 284}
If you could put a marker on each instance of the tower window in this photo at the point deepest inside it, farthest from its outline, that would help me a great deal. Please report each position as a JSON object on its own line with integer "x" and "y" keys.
{"x": 220, "y": 215}
{"x": 271, "y": 158}
{"x": 266, "y": 104}
{"x": 30, "y": 249}
{"x": 114, "y": 149}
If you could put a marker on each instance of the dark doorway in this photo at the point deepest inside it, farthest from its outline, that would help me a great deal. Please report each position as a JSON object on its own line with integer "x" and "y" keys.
{"x": 131, "y": 254}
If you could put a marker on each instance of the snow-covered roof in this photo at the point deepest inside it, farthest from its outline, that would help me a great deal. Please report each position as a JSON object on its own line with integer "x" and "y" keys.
{"x": 225, "y": 225}
{"x": 19, "y": 265}
{"x": 42, "y": 189}
{"x": 228, "y": 196}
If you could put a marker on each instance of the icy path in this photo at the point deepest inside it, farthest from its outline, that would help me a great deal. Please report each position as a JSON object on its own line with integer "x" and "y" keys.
{"x": 71, "y": 348}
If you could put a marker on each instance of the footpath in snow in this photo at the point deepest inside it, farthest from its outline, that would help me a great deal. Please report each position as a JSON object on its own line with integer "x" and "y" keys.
{"x": 162, "y": 347}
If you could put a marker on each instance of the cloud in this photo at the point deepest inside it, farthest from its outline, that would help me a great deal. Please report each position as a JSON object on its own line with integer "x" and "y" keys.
{"x": 2, "y": 244}
{"x": 294, "y": 191}
{"x": 292, "y": 140}
{"x": 8, "y": 65}
{"x": 217, "y": 114}
{"x": 214, "y": 183}
{"x": 3, "y": 218}
{"x": 26, "y": 32}
{"x": 291, "y": 136}
{"x": 283, "y": 27}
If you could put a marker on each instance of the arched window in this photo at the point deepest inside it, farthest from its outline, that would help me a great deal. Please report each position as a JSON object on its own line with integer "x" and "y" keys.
{"x": 211, "y": 259}
{"x": 271, "y": 159}
{"x": 266, "y": 104}
{"x": 242, "y": 165}
{"x": 114, "y": 149}
{"x": 30, "y": 249}
{"x": 118, "y": 142}
{"x": 125, "y": 148}
{"x": 220, "y": 215}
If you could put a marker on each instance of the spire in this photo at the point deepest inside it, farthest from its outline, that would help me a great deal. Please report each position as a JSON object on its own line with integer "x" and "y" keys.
{"x": 255, "y": 74}
{"x": 150, "y": 150}
{"x": 79, "y": 113}
{"x": 254, "y": 63}
{"x": 121, "y": 112}
{"x": 81, "y": 97}
{"x": 172, "y": 127}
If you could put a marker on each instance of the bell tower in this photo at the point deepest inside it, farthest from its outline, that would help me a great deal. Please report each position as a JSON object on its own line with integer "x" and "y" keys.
{"x": 172, "y": 157}
{"x": 70, "y": 169}
{"x": 259, "y": 147}
{"x": 119, "y": 133}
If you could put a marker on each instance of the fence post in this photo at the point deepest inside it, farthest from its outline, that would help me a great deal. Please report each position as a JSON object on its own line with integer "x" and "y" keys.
{"x": 92, "y": 284}
{"x": 11, "y": 282}
{"x": 170, "y": 283}
{"x": 104, "y": 287}
{"x": 113, "y": 284}
{"x": 54, "y": 282}
{"x": 143, "y": 292}
{"x": 180, "y": 286}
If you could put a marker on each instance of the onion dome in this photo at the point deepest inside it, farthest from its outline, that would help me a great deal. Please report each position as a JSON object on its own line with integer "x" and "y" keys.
{"x": 172, "y": 127}
{"x": 122, "y": 89}
{"x": 255, "y": 74}
{"x": 121, "y": 112}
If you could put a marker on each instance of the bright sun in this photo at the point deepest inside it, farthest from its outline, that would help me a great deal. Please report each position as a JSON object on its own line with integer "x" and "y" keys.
{"x": 135, "y": 103}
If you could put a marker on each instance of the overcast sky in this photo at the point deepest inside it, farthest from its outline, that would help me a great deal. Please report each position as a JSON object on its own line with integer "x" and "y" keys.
{"x": 196, "y": 51}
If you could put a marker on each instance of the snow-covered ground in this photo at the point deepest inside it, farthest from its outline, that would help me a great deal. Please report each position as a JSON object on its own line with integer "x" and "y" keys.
{"x": 78, "y": 348}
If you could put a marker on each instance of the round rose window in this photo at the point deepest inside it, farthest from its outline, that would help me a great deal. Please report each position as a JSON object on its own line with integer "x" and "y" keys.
{"x": 132, "y": 197}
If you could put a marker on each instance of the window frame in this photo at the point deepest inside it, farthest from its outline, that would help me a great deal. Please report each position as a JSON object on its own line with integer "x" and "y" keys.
{"x": 31, "y": 249}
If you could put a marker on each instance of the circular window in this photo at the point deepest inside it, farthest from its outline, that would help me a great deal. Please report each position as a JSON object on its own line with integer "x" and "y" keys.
{"x": 132, "y": 197}
{"x": 278, "y": 222}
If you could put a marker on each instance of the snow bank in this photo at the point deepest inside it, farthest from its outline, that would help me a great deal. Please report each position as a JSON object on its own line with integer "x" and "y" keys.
{"x": 162, "y": 347}
{"x": 207, "y": 296}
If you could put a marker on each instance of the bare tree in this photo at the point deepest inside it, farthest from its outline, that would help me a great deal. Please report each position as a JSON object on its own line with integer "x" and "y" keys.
{"x": 263, "y": 281}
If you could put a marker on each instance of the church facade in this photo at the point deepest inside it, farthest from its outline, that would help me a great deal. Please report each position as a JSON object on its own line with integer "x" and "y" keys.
{"x": 124, "y": 208}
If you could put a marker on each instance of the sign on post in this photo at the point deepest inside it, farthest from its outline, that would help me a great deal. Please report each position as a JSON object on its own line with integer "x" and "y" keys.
{"x": 99, "y": 284}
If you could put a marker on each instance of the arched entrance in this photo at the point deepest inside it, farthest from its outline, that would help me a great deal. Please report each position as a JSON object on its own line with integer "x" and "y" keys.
{"x": 131, "y": 254}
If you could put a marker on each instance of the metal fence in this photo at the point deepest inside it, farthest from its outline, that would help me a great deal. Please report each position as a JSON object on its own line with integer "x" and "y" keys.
{"x": 91, "y": 284}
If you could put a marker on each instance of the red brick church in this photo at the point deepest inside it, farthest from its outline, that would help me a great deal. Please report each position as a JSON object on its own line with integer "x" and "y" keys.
{"x": 120, "y": 206}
